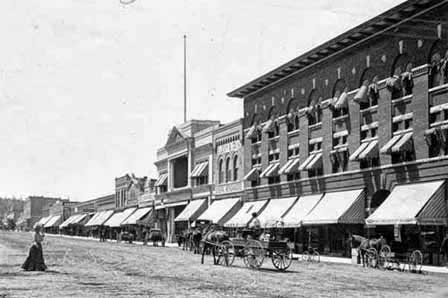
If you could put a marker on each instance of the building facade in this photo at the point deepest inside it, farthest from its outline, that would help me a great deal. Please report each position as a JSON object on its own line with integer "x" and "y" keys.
{"x": 35, "y": 208}
{"x": 366, "y": 110}
{"x": 184, "y": 166}
{"x": 128, "y": 189}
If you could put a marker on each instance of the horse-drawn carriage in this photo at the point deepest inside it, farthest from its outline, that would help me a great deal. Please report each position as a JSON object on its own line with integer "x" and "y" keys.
{"x": 251, "y": 250}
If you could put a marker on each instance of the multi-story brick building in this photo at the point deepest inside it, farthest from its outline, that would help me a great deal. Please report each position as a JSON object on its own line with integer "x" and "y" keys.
{"x": 365, "y": 111}
{"x": 98, "y": 204}
{"x": 35, "y": 208}
{"x": 185, "y": 166}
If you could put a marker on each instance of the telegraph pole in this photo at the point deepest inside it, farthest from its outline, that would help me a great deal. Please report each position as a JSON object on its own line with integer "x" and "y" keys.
{"x": 185, "y": 78}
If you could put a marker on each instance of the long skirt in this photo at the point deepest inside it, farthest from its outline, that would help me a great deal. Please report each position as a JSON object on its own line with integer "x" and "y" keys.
{"x": 35, "y": 260}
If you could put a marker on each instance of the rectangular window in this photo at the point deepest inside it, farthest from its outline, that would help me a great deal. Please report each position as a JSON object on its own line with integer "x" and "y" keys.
{"x": 292, "y": 177}
{"x": 407, "y": 123}
{"x": 373, "y": 132}
{"x": 274, "y": 180}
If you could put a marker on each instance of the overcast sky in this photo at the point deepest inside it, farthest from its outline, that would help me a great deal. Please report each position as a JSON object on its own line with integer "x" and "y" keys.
{"x": 90, "y": 88}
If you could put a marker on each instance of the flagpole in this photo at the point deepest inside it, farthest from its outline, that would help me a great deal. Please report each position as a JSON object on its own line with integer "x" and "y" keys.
{"x": 185, "y": 78}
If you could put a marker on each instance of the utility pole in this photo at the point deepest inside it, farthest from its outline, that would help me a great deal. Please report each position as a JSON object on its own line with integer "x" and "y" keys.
{"x": 185, "y": 78}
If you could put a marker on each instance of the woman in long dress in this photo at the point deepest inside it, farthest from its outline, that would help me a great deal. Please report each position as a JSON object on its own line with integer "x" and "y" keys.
{"x": 35, "y": 260}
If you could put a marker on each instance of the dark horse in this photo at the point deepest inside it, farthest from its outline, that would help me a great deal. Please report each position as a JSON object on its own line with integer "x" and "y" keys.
{"x": 365, "y": 244}
{"x": 213, "y": 234}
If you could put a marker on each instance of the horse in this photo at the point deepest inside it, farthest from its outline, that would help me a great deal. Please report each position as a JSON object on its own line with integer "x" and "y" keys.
{"x": 366, "y": 244}
{"x": 213, "y": 234}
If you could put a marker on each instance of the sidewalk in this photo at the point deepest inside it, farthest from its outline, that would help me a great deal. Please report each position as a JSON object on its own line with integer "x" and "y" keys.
{"x": 324, "y": 259}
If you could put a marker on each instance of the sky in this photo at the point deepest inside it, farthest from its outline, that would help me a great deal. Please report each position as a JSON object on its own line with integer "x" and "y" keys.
{"x": 89, "y": 89}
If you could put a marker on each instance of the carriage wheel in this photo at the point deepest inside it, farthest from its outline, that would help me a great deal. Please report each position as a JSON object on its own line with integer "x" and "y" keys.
{"x": 225, "y": 253}
{"x": 316, "y": 257}
{"x": 415, "y": 261}
{"x": 384, "y": 257}
{"x": 281, "y": 259}
{"x": 253, "y": 254}
{"x": 372, "y": 257}
{"x": 306, "y": 256}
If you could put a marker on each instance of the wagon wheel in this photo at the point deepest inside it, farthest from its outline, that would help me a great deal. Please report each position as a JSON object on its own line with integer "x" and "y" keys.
{"x": 384, "y": 257}
{"x": 415, "y": 261}
{"x": 281, "y": 258}
{"x": 253, "y": 254}
{"x": 306, "y": 256}
{"x": 225, "y": 252}
{"x": 372, "y": 257}
{"x": 316, "y": 257}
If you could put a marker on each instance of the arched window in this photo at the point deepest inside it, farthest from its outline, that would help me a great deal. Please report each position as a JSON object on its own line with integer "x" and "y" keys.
{"x": 228, "y": 170}
{"x": 292, "y": 115}
{"x": 401, "y": 83}
{"x": 235, "y": 168}
{"x": 438, "y": 59}
{"x": 339, "y": 101}
{"x": 314, "y": 111}
{"x": 221, "y": 172}
{"x": 368, "y": 93}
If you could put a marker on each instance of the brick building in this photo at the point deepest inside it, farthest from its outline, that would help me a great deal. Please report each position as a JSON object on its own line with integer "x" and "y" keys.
{"x": 35, "y": 208}
{"x": 128, "y": 189}
{"x": 364, "y": 112}
{"x": 184, "y": 166}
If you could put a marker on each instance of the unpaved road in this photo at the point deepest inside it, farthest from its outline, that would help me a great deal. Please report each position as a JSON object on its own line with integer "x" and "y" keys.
{"x": 85, "y": 268}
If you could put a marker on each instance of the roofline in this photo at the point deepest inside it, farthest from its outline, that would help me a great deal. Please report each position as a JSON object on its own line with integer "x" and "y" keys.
{"x": 360, "y": 33}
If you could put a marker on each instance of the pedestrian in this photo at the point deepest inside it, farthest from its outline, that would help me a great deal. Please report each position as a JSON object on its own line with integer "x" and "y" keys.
{"x": 35, "y": 260}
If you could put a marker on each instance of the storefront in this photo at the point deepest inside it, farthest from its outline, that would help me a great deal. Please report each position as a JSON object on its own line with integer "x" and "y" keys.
{"x": 113, "y": 224}
{"x": 413, "y": 216}
{"x": 97, "y": 221}
{"x": 220, "y": 211}
{"x": 131, "y": 224}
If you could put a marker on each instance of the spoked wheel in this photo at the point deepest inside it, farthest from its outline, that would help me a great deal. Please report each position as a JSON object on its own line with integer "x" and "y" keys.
{"x": 316, "y": 257}
{"x": 415, "y": 261}
{"x": 281, "y": 259}
{"x": 306, "y": 256}
{"x": 225, "y": 252}
{"x": 372, "y": 257}
{"x": 253, "y": 254}
{"x": 384, "y": 257}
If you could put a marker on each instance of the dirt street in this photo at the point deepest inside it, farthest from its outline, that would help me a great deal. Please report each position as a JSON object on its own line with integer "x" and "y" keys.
{"x": 85, "y": 268}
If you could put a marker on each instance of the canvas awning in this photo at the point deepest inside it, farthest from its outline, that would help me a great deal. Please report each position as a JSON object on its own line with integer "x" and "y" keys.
{"x": 269, "y": 169}
{"x": 163, "y": 179}
{"x": 315, "y": 162}
{"x": 422, "y": 203}
{"x": 292, "y": 166}
{"x": 361, "y": 148}
{"x": 200, "y": 170}
{"x": 303, "y": 165}
{"x": 192, "y": 210}
{"x": 272, "y": 215}
{"x": 74, "y": 219}
{"x": 137, "y": 215}
{"x": 252, "y": 175}
{"x": 273, "y": 171}
{"x": 171, "y": 205}
{"x": 404, "y": 144}
{"x": 99, "y": 218}
{"x": 54, "y": 221}
{"x": 301, "y": 208}
{"x": 371, "y": 150}
{"x": 43, "y": 221}
{"x": 116, "y": 219}
{"x": 218, "y": 210}
{"x": 388, "y": 146}
{"x": 244, "y": 215}
{"x": 345, "y": 207}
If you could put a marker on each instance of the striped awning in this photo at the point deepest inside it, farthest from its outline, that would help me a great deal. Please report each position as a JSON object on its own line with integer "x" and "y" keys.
{"x": 422, "y": 203}
{"x": 252, "y": 175}
{"x": 266, "y": 171}
{"x": 54, "y": 221}
{"x": 218, "y": 210}
{"x": 344, "y": 207}
{"x": 358, "y": 151}
{"x": 310, "y": 158}
{"x": 43, "y": 221}
{"x": 273, "y": 170}
{"x": 244, "y": 215}
{"x": 300, "y": 209}
{"x": 119, "y": 217}
{"x": 272, "y": 214}
{"x": 137, "y": 215}
{"x": 74, "y": 219}
{"x": 292, "y": 166}
{"x": 99, "y": 218}
{"x": 404, "y": 144}
{"x": 315, "y": 162}
{"x": 163, "y": 179}
{"x": 192, "y": 210}
{"x": 371, "y": 150}
{"x": 200, "y": 170}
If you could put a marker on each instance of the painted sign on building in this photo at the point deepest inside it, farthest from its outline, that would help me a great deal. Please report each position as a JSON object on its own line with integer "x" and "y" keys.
{"x": 229, "y": 147}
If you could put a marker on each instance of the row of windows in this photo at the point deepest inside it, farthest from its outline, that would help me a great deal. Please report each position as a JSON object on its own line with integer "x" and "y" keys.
{"x": 227, "y": 173}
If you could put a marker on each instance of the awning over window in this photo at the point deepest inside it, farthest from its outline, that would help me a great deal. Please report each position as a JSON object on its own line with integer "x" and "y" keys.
{"x": 99, "y": 218}
{"x": 171, "y": 205}
{"x": 192, "y": 210}
{"x": 371, "y": 150}
{"x": 74, "y": 219}
{"x": 244, "y": 215}
{"x": 272, "y": 215}
{"x": 310, "y": 158}
{"x": 422, "y": 203}
{"x": 315, "y": 162}
{"x": 346, "y": 207}
{"x": 252, "y": 175}
{"x": 358, "y": 151}
{"x": 266, "y": 171}
{"x": 43, "y": 221}
{"x": 392, "y": 144}
{"x": 300, "y": 209}
{"x": 217, "y": 211}
{"x": 200, "y": 170}
{"x": 54, "y": 221}
{"x": 404, "y": 144}
{"x": 271, "y": 170}
{"x": 137, "y": 215}
{"x": 163, "y": 179}
{"x": 251, "y": 133}
{"x": 292, "y": 166}
{"x": 119, "y": 217}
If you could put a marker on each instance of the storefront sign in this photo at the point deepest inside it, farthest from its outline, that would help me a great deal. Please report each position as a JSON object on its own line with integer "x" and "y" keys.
{"x": 229, "y": 147}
